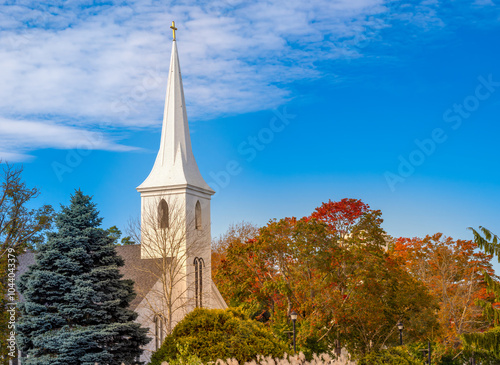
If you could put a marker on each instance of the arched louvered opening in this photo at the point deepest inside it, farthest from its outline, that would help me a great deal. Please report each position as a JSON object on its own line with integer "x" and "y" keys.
{"x": 197, "y": 215}
{"x": 198, "y": 281}
{"x": 163, "y": 214}
{"x": 158, "y": 323}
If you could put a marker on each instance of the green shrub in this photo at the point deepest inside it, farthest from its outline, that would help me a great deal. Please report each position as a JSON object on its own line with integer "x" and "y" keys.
{"x": 441, "y": 354}
{"x": 392, "y": 356}
{"x": 211, "y": 334}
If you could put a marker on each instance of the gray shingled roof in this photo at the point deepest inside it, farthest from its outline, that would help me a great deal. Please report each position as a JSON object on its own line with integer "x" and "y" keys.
{"x": 144, "y": 272}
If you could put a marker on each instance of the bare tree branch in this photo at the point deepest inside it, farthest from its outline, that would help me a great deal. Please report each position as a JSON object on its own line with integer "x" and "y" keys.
{"x": 172, "y": 250}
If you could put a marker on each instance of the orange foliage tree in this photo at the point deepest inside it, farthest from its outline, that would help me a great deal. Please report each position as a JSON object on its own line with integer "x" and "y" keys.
{"x": 452, "y": 271}
{"x": 236, "y": 233}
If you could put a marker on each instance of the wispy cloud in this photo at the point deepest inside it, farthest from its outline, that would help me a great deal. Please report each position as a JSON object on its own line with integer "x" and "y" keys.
{"x": 19, "y": 136}
{"x": 81, "y": 62}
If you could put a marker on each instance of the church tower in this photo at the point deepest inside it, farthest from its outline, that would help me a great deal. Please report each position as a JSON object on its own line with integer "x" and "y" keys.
{"x": 175, "y": 200}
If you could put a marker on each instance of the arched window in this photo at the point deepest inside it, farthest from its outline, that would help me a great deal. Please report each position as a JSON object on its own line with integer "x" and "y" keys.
{"x": 197, "y": 215}
{"x": 158, "y": 322}
{"x": 198, "y": 281}
{"x": 163, "y": 214}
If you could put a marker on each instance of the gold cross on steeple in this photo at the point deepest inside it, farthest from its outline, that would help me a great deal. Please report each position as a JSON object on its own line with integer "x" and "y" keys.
{"x": 173, "y": 29}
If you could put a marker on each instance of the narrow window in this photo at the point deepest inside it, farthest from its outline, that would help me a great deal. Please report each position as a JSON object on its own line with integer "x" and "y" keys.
{"x": 197, "y": 215}
{"x": 163, "y": 214}
{"x": 198, "y": 281}
{"x": 200, "y": 278}
{"x": 158, "y": 322}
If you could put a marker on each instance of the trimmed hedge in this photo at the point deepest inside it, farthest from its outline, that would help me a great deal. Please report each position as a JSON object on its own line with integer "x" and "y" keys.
{"x": 212, "y": 334}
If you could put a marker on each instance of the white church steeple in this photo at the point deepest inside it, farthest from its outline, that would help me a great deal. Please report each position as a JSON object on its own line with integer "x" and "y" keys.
{"x": 175, "y": 222}
{"x": 175, "y": 200}
{"x": 175, "y": 164}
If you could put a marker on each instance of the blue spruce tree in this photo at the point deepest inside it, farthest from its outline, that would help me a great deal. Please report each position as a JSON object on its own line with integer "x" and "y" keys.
{"x": 75, "y": 308}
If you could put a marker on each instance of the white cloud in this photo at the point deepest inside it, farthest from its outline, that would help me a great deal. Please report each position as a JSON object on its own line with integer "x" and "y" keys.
{"x": 82, "y": 62}
{"x": 22, "y": 135}
{"x": 13, "y": 157}
{"x": 112, "y": 64}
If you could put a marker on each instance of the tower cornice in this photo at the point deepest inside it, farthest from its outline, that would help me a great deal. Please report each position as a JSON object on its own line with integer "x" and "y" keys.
{"x": 181, "y": 188}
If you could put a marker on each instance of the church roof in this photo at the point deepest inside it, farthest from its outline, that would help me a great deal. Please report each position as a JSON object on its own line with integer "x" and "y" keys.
{"x": 144, "y": 272}
{"x": 175, "y": 164}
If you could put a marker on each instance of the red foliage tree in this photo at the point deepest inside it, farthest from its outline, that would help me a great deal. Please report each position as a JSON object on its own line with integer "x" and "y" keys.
{"x": 341, "y": 216}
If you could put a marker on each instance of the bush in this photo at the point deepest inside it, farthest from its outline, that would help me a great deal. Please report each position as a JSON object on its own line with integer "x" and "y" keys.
{"x": 211, "y": 334}
{"x": 392, "y": 356}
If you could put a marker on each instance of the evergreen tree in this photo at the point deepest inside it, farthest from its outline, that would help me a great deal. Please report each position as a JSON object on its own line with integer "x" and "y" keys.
{"x": 75, "y": 308}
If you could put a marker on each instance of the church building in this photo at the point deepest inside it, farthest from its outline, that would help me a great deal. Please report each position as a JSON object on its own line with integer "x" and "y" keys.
{"x": 171, "y": 267}
{"x": 175, "y": 225}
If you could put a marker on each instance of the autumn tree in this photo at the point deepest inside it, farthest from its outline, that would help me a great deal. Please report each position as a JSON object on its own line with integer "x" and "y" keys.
{"x": 333, "y": 269}
{"x": 21, "y": 228}
{"x": 452, "y": 270}
{"x": 236, "y": 233}
{"x": 342, "y": 217}
{"x": 370, "y": 292}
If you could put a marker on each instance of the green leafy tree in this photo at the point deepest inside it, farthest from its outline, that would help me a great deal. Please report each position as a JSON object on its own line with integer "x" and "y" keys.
{"x": 75, "y": 308}
{"x": 115, "y": 233}
{"x": 20, "y": 228}
{"x": 212, "y": 334}
{"x": 486, "y": 345}
{"x": 127, "y": 241}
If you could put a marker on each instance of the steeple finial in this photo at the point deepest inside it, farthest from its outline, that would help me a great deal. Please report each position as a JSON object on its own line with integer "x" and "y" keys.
{"x": 173, "y": 29}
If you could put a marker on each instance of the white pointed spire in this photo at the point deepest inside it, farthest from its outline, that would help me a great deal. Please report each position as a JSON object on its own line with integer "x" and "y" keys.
{"x": 175, "y": 164}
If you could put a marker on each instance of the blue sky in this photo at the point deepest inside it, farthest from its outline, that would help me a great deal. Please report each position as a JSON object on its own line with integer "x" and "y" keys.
{"x": 290, "y": 103}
